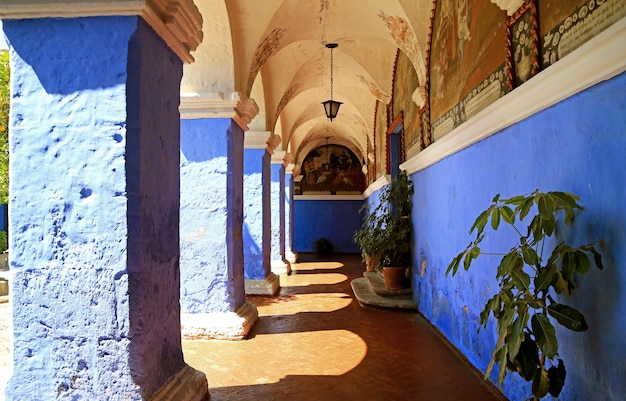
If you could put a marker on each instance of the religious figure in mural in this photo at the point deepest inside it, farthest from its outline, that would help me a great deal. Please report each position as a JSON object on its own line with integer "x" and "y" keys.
{"x": 332, "y": 169}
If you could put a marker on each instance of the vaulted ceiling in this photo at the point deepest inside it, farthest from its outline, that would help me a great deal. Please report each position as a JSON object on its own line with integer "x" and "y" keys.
{"x": 274, "y": 51}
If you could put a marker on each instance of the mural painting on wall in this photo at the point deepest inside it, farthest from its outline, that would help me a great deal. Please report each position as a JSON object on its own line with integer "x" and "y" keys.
{"x": 405, "y": 83}
{"x": 467, "y": 63}
{"x": 333, "y": 170}
{"x": 380, "y": 139}
{"x": 523, "y": 33}
{"x": 566, "y": 25}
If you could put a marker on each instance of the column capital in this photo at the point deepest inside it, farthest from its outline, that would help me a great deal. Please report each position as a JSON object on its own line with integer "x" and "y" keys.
{"x": 177, "y": 22}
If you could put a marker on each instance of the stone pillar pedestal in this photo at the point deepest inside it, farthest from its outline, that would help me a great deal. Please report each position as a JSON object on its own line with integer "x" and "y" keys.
{"x": 213, "y": 295}
{"x": 95, "y": 201}
{"x": 260, "y": 280}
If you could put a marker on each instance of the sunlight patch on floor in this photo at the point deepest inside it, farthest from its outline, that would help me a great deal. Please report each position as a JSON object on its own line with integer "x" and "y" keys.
{"x": 306, "y": 353}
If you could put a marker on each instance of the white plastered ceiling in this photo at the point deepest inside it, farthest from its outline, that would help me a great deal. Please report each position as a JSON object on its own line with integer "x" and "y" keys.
{"x": 274, "y": 52}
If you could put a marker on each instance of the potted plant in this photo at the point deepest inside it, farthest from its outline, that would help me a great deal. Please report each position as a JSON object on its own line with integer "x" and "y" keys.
{"x": 527, "y": 304}
{"x": 393, "y": 222}
{"x": 369, "y": 238}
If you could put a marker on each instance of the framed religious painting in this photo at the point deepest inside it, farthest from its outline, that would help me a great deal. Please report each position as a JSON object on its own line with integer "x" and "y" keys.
{"x": 523, "y": 43}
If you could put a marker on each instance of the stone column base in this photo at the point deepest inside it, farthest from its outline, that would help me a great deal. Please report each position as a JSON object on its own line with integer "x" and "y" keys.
{"x": 270, "y": 285}
{"x": 219, "y": 325}
{"x": 291, "y": 257}
{"x": 281, "y": 267}
{"x": 186, "y": 385}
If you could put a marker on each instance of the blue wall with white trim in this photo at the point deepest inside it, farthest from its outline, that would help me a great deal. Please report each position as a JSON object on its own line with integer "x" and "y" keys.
{"x": 579, "y": 146}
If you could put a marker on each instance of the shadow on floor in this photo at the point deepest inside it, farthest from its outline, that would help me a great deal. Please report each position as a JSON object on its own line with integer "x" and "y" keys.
{"x": 315, "y": 342}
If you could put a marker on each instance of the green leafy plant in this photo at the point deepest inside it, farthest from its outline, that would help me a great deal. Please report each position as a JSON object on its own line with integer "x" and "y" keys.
{"x": 369, "y": 237}
{"x": 525, "y": 308}
{"x": 4, "y": 245}
{"x": 387, "y": 228}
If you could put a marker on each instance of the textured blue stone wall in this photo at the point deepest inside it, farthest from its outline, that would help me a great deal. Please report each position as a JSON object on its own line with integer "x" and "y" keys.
{"x": 94, "y": 209}
{"x": 576, "y": 146}
{"x": 210, "y": 227}
{"x": 253, "y": 214}
{"x": 334, "y": 220}
{"x": 277, "y": 170}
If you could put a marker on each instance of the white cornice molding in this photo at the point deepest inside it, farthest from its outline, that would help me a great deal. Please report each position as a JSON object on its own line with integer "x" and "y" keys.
{"x": 376, "y": 185}
{"x": 278, "y": 156}
{"x": 178, "y": 22}
{"x": 255, "y": 139}
{"x": 216, "y": 105}
{"x": 600, "y": 59}
{"x": 328, "y": 197}
{"x": 208, "y": 105}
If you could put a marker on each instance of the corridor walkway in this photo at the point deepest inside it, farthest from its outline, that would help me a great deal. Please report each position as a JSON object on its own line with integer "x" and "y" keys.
{"x": 314, "y": 342}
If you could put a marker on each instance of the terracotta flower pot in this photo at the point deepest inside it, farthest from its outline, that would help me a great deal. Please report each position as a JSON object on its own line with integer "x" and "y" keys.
{"x": 370, "y": 263}
{"x": 393, "y": 277}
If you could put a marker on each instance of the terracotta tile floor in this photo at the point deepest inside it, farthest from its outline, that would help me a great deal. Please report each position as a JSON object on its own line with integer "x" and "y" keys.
{"x": 315, "y": 342}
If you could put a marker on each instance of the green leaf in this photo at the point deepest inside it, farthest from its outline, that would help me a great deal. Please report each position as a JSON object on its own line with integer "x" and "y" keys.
{"x": 545, "y": 335}
{"x": 566, "y": 199}
{"x": 517, "y": 334}
{"x": 559, "y": 283}
{"x": 508, "y": 215}
{"x": 597, "y": 258}
{"x": 557, "y": 374}
{"x": 541, "y": 383}
{"x": 568, "y": 317}
{"x": 509, "y": 262}
{"x": 495, "y": 218}
{"x": 530, "y": 255}
{"x": 496, "y": 198}
{"x": 480, "y": 222}
{"x": 527, "y": 359}
{"x": 524, "y": 208}
{"x": 469, "y": 256}
{"x": 516, "y": 200}
{"x": 491, "y": 306}
{"x": 569, "y": 264}
{"x": 520, "y": 277}
{"x": 454, "y": 265}
{"x": 545, "y": 277}
{"x": 545, "y": 205}
{"x": 549, "y": 224}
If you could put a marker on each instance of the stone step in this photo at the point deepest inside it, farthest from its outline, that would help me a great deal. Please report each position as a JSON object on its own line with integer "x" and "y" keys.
{"x": 377, "y": 283}
{"x": 367, "y": 297}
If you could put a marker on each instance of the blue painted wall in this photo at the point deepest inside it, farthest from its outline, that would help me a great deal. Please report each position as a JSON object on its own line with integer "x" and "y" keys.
{"x": 94, "y": 209}
{"x": 275, "y": 208}
{"x": 334, "y": 220}
{"x": 576, "y": 146}
{"x": 253, "y": 214}
{"x": 210, "y": 244}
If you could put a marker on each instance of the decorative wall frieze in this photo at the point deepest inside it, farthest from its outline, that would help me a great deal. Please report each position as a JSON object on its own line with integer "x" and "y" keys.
{"x": 510, "y": 6}
{"x": 599, "y": 59}
{"x": 177, "y": 22}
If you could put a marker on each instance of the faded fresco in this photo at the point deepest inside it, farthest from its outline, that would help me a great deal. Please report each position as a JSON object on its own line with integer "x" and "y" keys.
{"x": 566, "y": 25}
{"x": 469, "y": 45}
{"x": 332, "y": 170}
{"x": 380, "y": 139}
{"x": 405, "y": 83}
